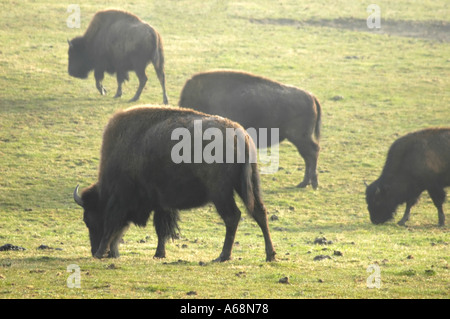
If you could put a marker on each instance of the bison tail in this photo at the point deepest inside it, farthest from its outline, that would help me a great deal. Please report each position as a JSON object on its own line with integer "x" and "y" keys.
{"x": 319, "y": 118}
{"x": 158, "y": 58}
{"x": 247, "y": 188}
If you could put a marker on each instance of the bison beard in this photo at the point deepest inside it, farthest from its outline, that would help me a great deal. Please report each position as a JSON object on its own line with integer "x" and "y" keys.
{"x": 117, "y": 42}
{"x": 137, "y": 176}
{"x": 257, "y": 102}
{"x": 416, "y": 162}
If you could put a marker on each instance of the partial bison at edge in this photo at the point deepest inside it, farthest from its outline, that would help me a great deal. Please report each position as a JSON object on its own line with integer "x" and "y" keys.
{"x": 260, "y": 103}
{"x": 415, "y": 162}
{"x": 117, "y": 42}
{"x": 138, "y": 176}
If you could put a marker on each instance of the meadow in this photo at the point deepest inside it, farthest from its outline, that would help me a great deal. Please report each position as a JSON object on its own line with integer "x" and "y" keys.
{"x": 374, "y": 86}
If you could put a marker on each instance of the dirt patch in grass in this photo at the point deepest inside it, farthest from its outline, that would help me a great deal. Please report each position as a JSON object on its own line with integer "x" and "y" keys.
{"x": 431, "y": 30}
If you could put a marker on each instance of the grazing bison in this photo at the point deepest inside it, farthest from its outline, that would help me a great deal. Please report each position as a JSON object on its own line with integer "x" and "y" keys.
{"x": 138, "y": 175}
{"x": 416, "y": 162}
{"x": 257, "y": 102}
{"x": 117, "y": 42}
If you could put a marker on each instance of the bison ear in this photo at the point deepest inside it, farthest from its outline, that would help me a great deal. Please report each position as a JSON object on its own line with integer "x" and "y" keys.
{"x": 90, "y": 197}
{"x": 69, "y": 43}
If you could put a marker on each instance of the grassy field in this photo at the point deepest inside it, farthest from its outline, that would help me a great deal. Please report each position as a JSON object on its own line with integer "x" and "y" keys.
{"x": 374, "y": 86}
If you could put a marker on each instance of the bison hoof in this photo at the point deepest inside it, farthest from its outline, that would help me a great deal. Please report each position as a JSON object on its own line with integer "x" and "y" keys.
{"x": 98, "y": 256}
{"x": 113, "y": 255}
{"x": 303, "y": 184}
{"x": 271, "y": 257}
{"x": 221, "y": 259}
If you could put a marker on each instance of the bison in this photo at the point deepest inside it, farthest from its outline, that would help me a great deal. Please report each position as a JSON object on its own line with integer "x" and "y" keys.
{"x": 416, "y": 162}
{"x": 138, "y": 175}
{"x": 257, "y": 102}
{"x": 117, "y": 42}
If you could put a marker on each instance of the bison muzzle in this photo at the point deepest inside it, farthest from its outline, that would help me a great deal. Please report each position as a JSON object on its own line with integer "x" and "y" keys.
{"x": 137, "y": 176}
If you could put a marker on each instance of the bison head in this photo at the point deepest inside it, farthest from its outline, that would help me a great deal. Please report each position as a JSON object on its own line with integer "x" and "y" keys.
{"x": 380, "y": 202}
{"x": 89, "y": 200}
{"x": 78, "y": 62}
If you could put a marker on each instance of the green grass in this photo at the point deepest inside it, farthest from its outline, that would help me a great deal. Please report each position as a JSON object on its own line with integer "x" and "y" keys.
{"x": 50, "y": 135}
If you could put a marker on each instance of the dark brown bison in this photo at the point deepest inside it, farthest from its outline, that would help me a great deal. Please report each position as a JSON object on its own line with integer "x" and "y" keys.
{"x": 416, "y": 162}
{"x": 117, "y": 42}
{"x": 256, "y": 102}
{"x": 139, "y": 174}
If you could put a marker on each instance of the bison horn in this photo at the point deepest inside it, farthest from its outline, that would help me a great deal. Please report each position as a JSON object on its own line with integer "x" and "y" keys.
{"x": 70, "y": 43}
{"x": 77, "y": 197}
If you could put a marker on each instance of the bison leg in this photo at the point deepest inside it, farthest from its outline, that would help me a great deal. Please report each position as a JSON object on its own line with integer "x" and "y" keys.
{"x": 103, "y": 247}
{"x": 166, "y": 226}
{"x": 260, "y": 215}
{"x": 121, "y": 77}
{"x": 119, "y": 90}
{"x": 438, "y": 197}
{"x": 309, "y": 150}
{"x": 99, "y": 75}
{"x": 231, "y": 215}
{"x": 115, "y": 242}
{"x": 142, "y": 81}
{"x": 407, "y": 213}
{"x": 300, "y": 133}
{"x": 110, "y": 241}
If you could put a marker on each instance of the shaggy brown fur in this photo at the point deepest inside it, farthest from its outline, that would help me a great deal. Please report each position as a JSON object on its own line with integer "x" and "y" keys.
{"x": 416, "y": 162}
{"x": 117, "y": 42}
{"x": 137, "y": 175}
{"x": 257, "y": 102}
